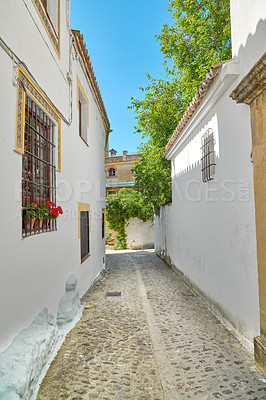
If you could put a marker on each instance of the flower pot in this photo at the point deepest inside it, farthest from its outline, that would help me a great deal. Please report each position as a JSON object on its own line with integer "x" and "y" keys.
{"x": 46, "y": 223}
{"x": 38, "y": 223}
{"x": 30, "y": 224}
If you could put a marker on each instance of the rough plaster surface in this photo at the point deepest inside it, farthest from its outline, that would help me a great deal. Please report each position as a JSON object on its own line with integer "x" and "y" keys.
{"x": 139, "y": 234}
{"x": 23, "y": 361}
{"x": 69, "y": 304}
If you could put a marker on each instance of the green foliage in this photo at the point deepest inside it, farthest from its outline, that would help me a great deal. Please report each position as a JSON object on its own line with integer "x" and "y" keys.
{"x": 198, "y": 38}
{"x": 126, "y": 204}
{"x": 32, "y": 211}
{"x": 154, "y": 176}
{"x": 109, "y": 238}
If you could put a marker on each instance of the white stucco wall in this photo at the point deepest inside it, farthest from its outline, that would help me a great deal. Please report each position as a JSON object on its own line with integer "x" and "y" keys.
{"x": 140, "y": 234}
{"x": 34, "y": 270}
{"x": 248, "y": 30}
{"x": 209, "y": 230}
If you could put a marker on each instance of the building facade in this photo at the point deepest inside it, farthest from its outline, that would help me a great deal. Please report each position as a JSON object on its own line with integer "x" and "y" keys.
{"x": 54, "y": 132}
{"x": 208, "y": 233}
{"x": 119, "y": 171}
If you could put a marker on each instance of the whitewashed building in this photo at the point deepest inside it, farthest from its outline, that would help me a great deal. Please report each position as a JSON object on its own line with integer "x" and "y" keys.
{"x": 54, "y": 129}
{"x": 208, "y": 232}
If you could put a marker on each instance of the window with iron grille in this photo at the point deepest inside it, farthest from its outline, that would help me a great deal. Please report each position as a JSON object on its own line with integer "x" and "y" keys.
{"x": 208, "y": 156}
{"x": 85, "y": 234}
{"x": 38, "y": 167}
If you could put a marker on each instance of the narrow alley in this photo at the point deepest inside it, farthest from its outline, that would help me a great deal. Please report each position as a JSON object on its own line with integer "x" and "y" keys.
{"x": 155, "y": 340}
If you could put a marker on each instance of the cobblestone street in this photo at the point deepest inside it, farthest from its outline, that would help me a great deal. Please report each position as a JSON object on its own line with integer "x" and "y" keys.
{"x": 156, "y": 341}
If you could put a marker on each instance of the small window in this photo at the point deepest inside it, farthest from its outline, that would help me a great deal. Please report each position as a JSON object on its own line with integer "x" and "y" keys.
{"x": 112, "y": 192}
{"x": 49, "y": 12}
{"x": 84, "y": 235}
{"x": 83, "y": 112}
{"x": 51, "y": 8}
{"x": 103, "y": 223}
{"x": 208, "y": 156}
{"x": 111, "y": 172}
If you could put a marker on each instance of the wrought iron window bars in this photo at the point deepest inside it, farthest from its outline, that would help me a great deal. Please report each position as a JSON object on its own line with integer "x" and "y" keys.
{"x": 38, "y": 167}
{"x": 208, "y": 156}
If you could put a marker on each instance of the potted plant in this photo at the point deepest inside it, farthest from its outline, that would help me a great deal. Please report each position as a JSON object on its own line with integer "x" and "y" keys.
{"x": 30, "y": 214}
{"x": 54, "y": 210}
{"x": 44, "y": 215}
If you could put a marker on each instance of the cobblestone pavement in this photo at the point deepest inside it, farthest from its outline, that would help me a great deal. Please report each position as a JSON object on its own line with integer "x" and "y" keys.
{"x": 156, "y": 341}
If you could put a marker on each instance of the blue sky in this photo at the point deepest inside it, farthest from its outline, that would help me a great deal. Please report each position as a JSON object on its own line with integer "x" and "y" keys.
{"x": 119, "y": 35}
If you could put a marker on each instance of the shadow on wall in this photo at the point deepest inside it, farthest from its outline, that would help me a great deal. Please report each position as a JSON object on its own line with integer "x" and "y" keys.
{"x": 190, "y": 155}
{"x": 249, "y": 53}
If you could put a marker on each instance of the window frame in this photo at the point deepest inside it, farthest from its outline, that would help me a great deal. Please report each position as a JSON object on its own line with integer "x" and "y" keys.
{"x": 48, "y": 24}
{"x": 83, "y": 112}
{"x": 84, "y": 207}
{"x": 111, "y": 176}
{"x": 38, "y": 166}
{"x": 208, "y": 156}
{"x": 103, "y": 223}
{"x": 25, "y": 85}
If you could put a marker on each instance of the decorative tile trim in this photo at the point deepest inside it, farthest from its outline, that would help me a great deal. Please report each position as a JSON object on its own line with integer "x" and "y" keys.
{"x": 24, "y": 85}
{"x": 47, "y": 24}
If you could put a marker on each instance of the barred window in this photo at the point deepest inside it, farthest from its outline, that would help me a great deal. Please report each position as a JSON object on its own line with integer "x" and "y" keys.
{"x": 38, "y": 168}
{"x": 208, "y": 156}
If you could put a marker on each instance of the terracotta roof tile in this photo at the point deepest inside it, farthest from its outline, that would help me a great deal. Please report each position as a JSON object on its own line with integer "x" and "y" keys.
{"x": 205, "y": 85}
{"x": 91, "y": 75}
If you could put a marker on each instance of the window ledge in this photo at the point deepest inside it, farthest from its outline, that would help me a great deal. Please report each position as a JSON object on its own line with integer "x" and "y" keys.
{"x": 84, "y": 140}
{"x": 85, "y": 258}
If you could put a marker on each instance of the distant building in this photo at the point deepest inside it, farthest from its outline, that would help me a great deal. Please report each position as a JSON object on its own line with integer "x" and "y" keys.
{"x": 119, "y": 171}
{"x": 120, "y": 174}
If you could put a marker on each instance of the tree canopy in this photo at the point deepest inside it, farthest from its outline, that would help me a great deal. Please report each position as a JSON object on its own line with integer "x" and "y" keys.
{"x": 198, "y": 38}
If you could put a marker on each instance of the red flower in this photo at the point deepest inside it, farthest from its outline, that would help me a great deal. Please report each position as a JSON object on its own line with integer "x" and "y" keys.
{"x": 54, "y": 212}
{"x": 60, "y": 210}
{"x": 35, "y": 205}
{"x": 50, "y": 204}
